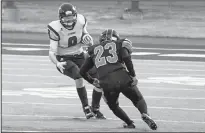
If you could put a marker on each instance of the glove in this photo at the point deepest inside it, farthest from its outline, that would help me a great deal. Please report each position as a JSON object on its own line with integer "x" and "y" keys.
{"x": 134, "y": 81}
{"x": 96, "y": 83}
{"x": 60, "y": 66}
{"x": 87, "y": 40}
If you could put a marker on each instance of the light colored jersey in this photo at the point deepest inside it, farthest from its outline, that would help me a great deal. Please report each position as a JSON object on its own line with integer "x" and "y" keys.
{"x": 69, "y": 41}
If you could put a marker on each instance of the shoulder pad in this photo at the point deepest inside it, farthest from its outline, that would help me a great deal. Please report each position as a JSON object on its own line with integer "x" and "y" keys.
{"x": 82, "y": 19}
{"x": 53, "y": 29}
{"x": 127, "y": 44}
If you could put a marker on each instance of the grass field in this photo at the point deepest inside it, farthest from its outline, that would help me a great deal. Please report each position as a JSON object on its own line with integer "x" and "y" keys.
{"x": 38, "y": 98}
{"x": 181, "y": 19}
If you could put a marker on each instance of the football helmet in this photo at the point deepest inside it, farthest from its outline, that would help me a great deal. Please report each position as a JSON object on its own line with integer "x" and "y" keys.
{"x": 67, "y": 15}
{"x": 109, "y": 34}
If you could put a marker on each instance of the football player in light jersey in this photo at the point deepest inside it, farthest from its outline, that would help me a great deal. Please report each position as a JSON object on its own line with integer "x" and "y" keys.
{"x": 67, "y": 36}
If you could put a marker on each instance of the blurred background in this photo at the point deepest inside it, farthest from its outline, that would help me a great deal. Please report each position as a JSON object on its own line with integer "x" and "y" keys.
{"x": 183, "y": 18}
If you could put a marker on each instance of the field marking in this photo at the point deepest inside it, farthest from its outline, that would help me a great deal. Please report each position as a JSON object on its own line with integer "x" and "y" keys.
{"x": 170, "y": 49}
{"x": 183, "y": 55}
{"x": 144, "y": 53}
{"x": 136, "y": 61}
{"x": 24, "y": 49}
{"x": 139, "y": 73}
{"x": 137, "y": 68}
{"x": 150, "y": 48}
{"x": 23, "y": 44}
{"x": 62, "y": 94}
{"x": 103, "y": 105}
{"x": 114, "y": 119}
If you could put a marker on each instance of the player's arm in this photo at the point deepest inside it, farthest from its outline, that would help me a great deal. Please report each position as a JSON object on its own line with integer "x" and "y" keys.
{"x": 54, "y": 39}
{"x": 128, "y": 61}
{"x": 88, "y": 64}
{"x": 126, "y": 56}
{"x": 86, "y": 37}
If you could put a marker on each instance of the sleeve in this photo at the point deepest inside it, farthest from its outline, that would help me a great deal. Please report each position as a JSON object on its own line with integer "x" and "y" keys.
{"x": 53, "y": 46}
{"x": 127, "y": 44}
{"x": 53, "y": 35}
{"x": 126, "y": 57}
{"x": 85, "y": 26}
{"x": 88, "y": 64}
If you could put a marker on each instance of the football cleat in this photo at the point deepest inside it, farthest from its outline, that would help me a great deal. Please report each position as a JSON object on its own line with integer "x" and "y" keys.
{"x": 88, "y": 112}
{"x": 98, "y": 114}
{"x": 150, "y": 122}
{"x": 129, "y": 126}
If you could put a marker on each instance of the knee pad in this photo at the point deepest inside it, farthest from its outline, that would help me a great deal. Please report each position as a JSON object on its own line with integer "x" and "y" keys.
{"x": 79, "y": 83}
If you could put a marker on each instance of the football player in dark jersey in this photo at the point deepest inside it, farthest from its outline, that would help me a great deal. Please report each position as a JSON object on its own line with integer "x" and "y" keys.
{"x": 116, "y": 74}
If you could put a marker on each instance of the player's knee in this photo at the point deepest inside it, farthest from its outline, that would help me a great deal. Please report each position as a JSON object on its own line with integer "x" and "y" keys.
{"x": 79, "y": 83}
{"x": 138, "y": 99}
{"x": 113, "y": 106}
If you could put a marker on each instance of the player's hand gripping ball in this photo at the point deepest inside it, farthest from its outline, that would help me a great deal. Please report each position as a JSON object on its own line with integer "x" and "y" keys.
{"x": 87, "y": 40}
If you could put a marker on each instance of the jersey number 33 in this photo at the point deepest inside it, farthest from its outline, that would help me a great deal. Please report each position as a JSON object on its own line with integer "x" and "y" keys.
{"x": 111, "y": 57}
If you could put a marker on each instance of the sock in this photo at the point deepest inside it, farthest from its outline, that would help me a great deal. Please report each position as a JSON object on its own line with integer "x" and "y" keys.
{"x": 122, "y": 115}
{"x": 96, "y": 96}
{"x": 142, "y": 106}
{"x": 82, "y": 93}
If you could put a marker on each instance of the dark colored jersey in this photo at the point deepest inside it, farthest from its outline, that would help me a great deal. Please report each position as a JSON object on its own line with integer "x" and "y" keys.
{"x": 107, "y": 55}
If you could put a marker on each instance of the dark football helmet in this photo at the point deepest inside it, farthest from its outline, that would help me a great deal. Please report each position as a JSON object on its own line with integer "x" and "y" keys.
{"x": 67, "y": 15}
{"x": 109, "y": 34}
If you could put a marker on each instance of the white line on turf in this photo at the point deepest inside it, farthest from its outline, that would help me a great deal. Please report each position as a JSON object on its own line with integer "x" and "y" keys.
{"x": 21, "y": 44}
{"x": 137, "y": 68}
{"x": 114, "y": 119}
{"x": 201, "y": 75}
{"x": 123, "y": 106}
{"x": 184, "y": 55}
{"x": 62, "y": 94}
{"x": 171, "y": 49}
{"x": 136, "y": 61}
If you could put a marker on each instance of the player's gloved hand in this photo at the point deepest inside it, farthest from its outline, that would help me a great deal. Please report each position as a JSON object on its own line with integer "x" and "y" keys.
{"x": 87, "y": 40}
{"x": 96, "y": 83}
{"x": 134, "y": 81}
{"x": 60, "y": 66}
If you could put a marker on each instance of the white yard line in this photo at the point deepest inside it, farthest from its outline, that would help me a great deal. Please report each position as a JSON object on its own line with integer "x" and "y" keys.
{"x": 62, "y": 94}
{"x": 201, "y": 75}
{"x": 123, "y": 106}
{"x": 21, "y": 44}
{"x": 8, "y": 66}
{"x": 45, "y": 59}
{"x": 171, "y": 49}
{"x": 114, "y": 119}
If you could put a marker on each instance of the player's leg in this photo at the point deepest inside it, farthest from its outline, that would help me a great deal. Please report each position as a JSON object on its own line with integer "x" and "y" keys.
{"x": 111, "y": 98}
{"x": 96, "y": 97}
{"x": 139, "y": 102}
{"x": 72, "y": 71}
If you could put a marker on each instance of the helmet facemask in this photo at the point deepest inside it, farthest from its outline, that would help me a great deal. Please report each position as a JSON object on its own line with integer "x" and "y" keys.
{"x": 68, "y": 21}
